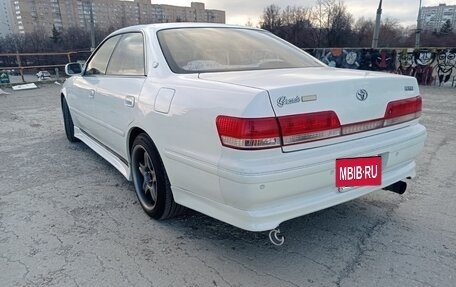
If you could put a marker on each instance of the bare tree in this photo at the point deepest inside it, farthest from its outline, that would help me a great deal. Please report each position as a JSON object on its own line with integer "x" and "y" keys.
{"x": 339, "y": 26}
{"x": 287, "y": 17}
{"x": 363, "y": 31}
{"x": 333, "y": 22}
{"x": 301, "y": 27}
{"x": 292, "y": 24}
{"x": 319, "y": 20}
{"x": 390, "y": 33}
{"x": 75, "y": 39}
{"x": 13, "y": 43}
{"x": 271, "y": 19}
{"x": 70, "y": 39}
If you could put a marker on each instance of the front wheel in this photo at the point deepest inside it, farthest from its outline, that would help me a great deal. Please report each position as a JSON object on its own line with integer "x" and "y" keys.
{"x": 150, "y": 180}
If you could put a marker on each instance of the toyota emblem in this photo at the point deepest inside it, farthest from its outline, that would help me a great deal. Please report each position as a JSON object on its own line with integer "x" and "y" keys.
{"x": 362, "y": 95}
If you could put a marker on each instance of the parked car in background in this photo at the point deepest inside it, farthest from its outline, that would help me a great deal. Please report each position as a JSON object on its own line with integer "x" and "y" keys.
{"x": 240, "y": 125}
{"x": 43, "y": 75}
{"x": 14, "y": 72}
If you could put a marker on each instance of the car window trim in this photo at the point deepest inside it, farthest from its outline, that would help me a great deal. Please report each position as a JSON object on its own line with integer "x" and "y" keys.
{"x": 95, "y": 52}
{"x": 144, "y": 54}
{"x": 110, "y": 56}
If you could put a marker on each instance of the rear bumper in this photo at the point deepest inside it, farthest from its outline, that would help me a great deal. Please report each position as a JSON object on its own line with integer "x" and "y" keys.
{"x": 260, "y": 194}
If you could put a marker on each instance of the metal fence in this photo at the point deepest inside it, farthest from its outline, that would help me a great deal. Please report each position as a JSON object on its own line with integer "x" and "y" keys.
{"x": 30, "y": 63}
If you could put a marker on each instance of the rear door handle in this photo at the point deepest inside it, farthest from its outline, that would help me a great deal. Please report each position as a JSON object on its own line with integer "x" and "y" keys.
{"x": 130, "y": 101}
{"x": 92, "y": 94}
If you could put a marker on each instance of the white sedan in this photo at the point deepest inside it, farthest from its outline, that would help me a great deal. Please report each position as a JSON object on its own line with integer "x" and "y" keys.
{"x": 238, "y": 124}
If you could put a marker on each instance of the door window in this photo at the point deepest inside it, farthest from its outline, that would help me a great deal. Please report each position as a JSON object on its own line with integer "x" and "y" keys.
{"x": 100, "y": 60}
{"x": 128, "y": 57}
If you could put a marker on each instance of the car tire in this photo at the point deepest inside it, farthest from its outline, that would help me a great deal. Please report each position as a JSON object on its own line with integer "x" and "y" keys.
{"x": 68, "y": 122}
{"x": 151, "y": 182}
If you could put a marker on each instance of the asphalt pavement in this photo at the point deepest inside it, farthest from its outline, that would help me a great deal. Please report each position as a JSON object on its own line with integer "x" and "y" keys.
{"x": 68, "y": 218}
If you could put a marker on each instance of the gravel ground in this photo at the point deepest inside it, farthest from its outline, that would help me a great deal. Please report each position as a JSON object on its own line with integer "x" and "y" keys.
{"x": 67, "y": 218}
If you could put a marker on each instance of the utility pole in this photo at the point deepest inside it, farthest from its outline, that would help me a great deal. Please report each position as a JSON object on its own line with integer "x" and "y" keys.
{"x": 85, "y": 4}
{"x": 418, "y": 28}
{"x": 92, "y": 26}
{"x": 377, "y": 26}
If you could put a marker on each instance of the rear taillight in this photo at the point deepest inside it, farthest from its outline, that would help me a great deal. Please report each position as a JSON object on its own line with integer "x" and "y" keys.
{"x": 309, "y": 127}
{"x": 403, "y": 110}
{"x": 262, "y": 133}
{"x": 247, "y": 133}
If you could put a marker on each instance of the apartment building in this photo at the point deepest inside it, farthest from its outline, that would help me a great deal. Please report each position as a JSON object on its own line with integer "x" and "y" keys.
{"x": 6, "y": 18}
{"x": 42, "y": 15}
{"x": 433, "y": 17}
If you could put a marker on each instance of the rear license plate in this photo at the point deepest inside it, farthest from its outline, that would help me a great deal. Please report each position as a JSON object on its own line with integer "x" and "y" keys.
{"x": 360, "y": 171}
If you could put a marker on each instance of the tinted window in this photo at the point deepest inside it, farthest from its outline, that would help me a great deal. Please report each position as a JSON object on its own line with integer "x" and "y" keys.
{"x": 196, "y": 50}
{"x": 128, "y": 56}
{"x": 99, "y": 61}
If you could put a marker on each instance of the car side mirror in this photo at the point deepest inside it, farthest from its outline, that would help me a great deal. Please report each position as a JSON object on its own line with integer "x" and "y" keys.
{"x": 73, "y": 69}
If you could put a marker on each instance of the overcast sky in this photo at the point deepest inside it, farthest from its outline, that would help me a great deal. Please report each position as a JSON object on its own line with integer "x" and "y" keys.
{"x": 240, "y": 11}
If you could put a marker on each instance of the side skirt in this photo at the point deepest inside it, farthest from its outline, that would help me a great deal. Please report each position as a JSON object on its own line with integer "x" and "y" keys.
{"x": 119, "y": 163}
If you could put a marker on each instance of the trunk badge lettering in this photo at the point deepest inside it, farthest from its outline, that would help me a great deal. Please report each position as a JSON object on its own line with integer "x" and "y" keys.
{"x": 282, "y": 101}
{"x": 309, "y": 98}
{"x": 362, "y": 95}
{"x": 408, "y": 88}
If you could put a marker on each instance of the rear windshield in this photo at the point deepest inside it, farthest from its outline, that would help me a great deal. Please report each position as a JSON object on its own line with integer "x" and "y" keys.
{"x": 199, "y": 50}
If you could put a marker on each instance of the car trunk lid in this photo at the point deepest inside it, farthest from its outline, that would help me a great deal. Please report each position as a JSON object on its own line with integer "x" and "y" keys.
{"x": 355, "y": 96}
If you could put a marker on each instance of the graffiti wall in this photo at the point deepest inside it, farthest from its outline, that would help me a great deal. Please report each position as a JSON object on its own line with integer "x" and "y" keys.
{"x": 429, "y": 66}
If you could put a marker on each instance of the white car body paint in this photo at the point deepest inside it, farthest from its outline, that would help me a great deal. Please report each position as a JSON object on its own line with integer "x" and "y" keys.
{"x": 253, "y": 190}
